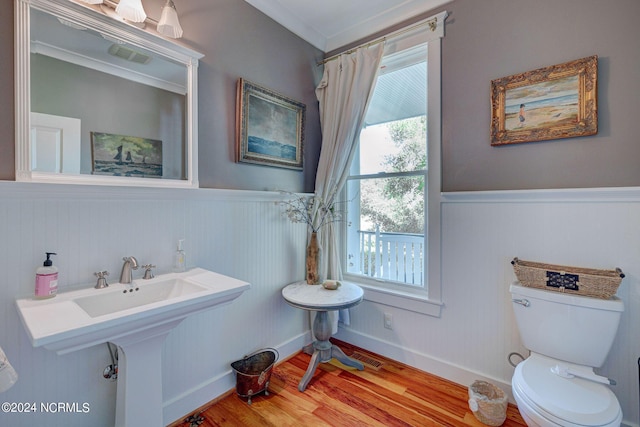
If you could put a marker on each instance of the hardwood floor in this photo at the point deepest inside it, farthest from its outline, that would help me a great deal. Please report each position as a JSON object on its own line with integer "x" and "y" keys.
{"x": 393, "y": 395}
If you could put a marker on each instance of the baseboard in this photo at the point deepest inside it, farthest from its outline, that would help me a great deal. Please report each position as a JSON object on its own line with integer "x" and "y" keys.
{"x": 426, "y": 363}
{"x": 180, "y": 406}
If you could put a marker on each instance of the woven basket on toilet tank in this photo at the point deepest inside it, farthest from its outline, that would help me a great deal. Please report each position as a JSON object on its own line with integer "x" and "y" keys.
{"x": 561, "y": 278}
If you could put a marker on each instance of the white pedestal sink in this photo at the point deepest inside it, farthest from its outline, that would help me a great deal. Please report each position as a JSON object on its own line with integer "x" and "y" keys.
{"x": 137, "y": 318}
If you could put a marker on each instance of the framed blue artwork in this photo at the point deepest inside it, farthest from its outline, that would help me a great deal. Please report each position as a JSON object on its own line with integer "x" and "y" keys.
{"x": 270, "y": 127}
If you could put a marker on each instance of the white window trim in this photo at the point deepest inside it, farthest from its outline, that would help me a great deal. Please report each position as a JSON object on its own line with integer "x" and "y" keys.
{"x": 427, "y": 300}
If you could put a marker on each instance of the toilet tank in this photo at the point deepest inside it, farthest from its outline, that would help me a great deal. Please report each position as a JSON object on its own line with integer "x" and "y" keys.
{"x": 568, "y": 327}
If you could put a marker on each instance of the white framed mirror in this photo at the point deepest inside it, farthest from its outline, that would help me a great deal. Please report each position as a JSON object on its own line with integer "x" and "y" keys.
{"x": 101, "y": 101}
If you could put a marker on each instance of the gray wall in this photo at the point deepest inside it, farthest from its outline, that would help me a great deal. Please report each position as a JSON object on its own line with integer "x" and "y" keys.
{"x": 490, "y": 39}
{"x": 237, "y": 41}
{"x": 484, "y": 40}
{"x": 7, "y": 118}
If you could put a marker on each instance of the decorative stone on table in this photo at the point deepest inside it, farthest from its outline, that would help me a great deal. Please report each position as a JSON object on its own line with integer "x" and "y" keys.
{"x": 332, "y": 285}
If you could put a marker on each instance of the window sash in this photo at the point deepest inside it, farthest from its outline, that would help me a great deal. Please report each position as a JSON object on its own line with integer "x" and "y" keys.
{"x": 417, "y": 172}
{"x": 426, "y": 300}
{"x": 397, "y": 258}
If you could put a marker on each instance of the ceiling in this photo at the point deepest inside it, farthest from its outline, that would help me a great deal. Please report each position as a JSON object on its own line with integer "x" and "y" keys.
{"x": 331, "y": 24}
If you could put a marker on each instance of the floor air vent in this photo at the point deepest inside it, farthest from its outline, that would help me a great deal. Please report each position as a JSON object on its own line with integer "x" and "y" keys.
{"x": 369, "y": 361}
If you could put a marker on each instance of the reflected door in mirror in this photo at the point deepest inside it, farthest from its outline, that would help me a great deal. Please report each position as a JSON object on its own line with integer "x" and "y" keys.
{"x": 55, "y": 143}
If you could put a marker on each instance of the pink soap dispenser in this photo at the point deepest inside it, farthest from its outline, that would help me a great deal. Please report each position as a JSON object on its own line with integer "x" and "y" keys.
{"x": 47, "y": 279}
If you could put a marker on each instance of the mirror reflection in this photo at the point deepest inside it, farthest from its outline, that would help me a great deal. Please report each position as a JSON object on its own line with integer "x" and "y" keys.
{"x": 102, "y": 107}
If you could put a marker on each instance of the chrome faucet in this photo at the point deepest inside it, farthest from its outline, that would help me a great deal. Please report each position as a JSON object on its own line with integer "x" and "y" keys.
{"x": 130, "y": 263}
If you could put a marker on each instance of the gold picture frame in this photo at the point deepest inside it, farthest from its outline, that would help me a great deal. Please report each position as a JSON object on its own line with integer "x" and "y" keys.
{"x": 270, "y": 127}
{"x": 554, "y": 102}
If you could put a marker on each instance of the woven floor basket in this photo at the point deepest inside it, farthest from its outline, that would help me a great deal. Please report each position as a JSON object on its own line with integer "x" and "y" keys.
{"x": 488, "y": 403}
{"x": 560, "y": 278}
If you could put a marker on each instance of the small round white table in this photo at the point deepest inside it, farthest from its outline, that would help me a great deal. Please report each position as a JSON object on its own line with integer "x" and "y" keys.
{"x": 316, "y": 298}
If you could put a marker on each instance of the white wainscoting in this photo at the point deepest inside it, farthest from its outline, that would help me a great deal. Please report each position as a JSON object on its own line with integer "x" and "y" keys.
{"x": 481, "y": 233}
{"x": 242, "y": 234}
{"x": 238, "y": 233}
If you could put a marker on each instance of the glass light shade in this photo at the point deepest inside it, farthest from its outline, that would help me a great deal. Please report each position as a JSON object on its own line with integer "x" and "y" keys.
{"x": 131, "y": 10}
{"x": 169, "y": 25}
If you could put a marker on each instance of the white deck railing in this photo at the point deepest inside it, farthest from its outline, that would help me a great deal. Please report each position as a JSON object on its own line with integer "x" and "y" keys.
{"x": 392, "y": 256}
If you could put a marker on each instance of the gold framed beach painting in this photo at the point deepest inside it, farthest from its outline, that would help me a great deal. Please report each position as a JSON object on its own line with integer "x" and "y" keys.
{"x": 270, "y": 127}
{"x": 554, "y": 102}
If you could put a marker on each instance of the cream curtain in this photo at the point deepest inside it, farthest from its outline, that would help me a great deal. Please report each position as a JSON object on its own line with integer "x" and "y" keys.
{"x": 344, "y": 94}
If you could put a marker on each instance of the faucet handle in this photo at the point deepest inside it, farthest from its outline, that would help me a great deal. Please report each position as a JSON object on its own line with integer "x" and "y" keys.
{"x": 148, "y": 274}
{"x": 102, "y": 281}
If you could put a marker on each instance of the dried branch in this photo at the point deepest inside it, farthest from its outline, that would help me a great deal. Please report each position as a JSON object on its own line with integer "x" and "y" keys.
{"x": 311, "y": 210}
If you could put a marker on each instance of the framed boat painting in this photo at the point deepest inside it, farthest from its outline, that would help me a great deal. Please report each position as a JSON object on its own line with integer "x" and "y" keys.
{"x": 549, "y": 103}
{"x": 270, "y": 127}
{"x": 122, "y": 155}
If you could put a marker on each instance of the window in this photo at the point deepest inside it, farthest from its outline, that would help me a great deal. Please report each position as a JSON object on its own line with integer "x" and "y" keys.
{"x": 386, "y": 186}
{"x": 392, "y": 233}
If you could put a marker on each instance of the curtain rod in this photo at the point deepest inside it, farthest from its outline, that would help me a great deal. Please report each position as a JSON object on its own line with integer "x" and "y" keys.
{"x": 432, "y": 23}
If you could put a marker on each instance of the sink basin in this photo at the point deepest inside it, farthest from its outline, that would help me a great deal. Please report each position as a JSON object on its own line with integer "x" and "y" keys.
{"x": 85, "y": 317}
{"x": 137, "y": 318}
{"x": 154, "y": 291}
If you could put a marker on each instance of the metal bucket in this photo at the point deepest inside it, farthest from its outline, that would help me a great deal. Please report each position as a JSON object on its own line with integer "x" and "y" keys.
{"x": 254, "y": 372}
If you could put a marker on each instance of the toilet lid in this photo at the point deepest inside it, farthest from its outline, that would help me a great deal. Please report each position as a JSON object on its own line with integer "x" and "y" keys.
{"x": 574, "y": 400}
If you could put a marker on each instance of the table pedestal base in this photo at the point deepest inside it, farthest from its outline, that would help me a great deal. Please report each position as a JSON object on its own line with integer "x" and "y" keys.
{"x": 322, "y": 350}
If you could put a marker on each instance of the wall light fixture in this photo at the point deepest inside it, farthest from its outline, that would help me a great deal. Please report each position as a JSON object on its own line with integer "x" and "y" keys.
{"x": 169, "y": 25}
{"x": 133, "y": 11}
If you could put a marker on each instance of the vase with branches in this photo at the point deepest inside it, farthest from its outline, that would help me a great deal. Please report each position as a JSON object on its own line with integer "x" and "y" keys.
{"x": 315, "y": 212}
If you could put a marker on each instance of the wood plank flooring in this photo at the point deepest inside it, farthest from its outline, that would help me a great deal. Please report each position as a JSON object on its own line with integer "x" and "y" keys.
{"x": 393, "y": 395}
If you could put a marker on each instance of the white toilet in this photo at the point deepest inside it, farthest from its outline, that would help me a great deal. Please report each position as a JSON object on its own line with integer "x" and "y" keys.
{"x": 568, "y": 336}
